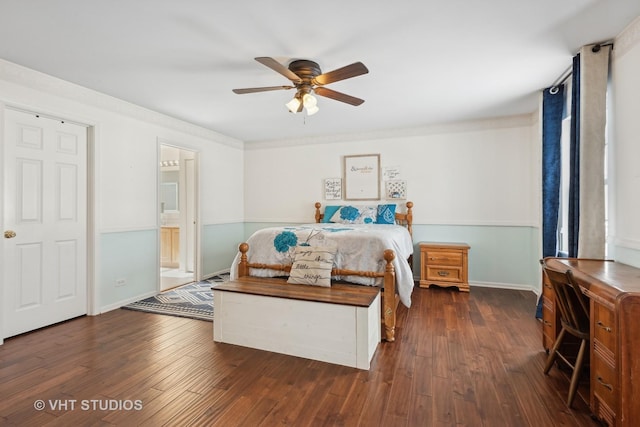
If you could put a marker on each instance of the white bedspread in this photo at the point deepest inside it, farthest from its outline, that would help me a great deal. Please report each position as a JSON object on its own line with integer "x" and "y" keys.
{"x": 360, "y": 247}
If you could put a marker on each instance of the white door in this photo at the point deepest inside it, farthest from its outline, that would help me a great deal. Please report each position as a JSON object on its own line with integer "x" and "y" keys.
{"x": 45, "y": 214}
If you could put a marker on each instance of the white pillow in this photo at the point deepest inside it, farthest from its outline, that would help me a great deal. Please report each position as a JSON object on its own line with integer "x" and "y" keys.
{"x": 312, "y": 266}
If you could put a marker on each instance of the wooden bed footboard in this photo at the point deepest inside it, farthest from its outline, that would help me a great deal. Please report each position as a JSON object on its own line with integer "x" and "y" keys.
{"x": 389, "y": 297}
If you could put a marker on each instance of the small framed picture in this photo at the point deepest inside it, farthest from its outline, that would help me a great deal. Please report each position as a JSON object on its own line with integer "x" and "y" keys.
{"x": 396, "y": 189}
{"x": 333, "y": 189}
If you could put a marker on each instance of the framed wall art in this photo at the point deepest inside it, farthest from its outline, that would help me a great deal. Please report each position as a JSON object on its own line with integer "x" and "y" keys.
{"x": 333, "y": 189}
{"x": 396, "y": 189}
{"x": 362, "y": 177}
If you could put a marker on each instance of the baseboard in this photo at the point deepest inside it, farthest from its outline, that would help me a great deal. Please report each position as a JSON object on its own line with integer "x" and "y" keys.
{"x": 510, "y": 286}
{"x": 122, "y": 303}
{"x": 217, "y": 273}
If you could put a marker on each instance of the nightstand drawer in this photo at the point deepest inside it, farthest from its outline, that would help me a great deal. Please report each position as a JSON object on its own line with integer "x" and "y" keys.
{"x": 444, "y": 258}
{"x": 445, "y": 274}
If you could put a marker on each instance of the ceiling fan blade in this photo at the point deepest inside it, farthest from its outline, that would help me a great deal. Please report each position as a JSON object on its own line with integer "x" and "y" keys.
{"x": 338, "y": 96}
{"x": 261, "y": 89}
{"x": 279, "y": 68}
{"x": 353, "y": 70}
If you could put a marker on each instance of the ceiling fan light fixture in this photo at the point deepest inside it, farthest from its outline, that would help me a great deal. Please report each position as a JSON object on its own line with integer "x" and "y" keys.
{"x": 293, "y": 105}
{"x": 309, "y": 101}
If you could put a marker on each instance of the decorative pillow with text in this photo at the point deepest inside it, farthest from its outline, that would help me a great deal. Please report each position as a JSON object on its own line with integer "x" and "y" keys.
{"x": 312, "y": 266}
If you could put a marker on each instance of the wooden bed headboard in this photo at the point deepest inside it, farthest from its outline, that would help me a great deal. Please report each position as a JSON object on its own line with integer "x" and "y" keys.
{"x": 405, "y": 219}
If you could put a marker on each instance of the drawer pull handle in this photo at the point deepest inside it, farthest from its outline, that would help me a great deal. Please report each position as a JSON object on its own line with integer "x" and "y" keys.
{"x": 547, "y": 323}
{"x": 605, "y": 385}
{"x": 546, "y": 285}
{"x": 601, "y": 325}
{"x": 443, "y": 273}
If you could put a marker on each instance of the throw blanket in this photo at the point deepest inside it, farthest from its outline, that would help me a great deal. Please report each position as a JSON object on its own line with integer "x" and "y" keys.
{"x": 359, "y": 247}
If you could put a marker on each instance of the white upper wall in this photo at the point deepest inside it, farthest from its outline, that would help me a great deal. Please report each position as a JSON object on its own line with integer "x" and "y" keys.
{"x": 625, "y": 139}
{"x": 474, "y": 173}
{"x": 127, "y": 141}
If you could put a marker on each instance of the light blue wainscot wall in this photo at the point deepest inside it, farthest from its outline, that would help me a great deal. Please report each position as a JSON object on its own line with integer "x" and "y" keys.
{"x": 252, "y": 227}
{"x": 132, "y": 257}
{"x": 219, "y": 246}
{"x": 500, "y": 256}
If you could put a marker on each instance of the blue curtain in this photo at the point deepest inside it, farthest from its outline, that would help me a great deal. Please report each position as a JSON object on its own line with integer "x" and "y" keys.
{"x": 574, "y": 163}
{"x": 552, "y": 107}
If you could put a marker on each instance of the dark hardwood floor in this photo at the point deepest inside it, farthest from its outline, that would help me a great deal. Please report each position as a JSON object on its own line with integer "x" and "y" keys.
{"x": 471, "y": 359}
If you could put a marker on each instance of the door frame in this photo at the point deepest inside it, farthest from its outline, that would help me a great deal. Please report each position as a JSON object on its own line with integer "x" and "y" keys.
{"x": 91, "y": 237}
{"x": 197, "y": 273}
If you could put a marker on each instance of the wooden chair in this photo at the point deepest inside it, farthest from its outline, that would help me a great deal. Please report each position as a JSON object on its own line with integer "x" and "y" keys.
{"x": 573, "y": 307}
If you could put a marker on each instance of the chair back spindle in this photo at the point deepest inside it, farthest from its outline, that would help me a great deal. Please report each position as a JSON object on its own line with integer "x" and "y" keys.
{"x": 573, "y": 307}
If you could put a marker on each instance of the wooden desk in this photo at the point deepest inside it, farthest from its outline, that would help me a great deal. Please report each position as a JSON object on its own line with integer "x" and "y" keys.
{"x": 614, "y": 292}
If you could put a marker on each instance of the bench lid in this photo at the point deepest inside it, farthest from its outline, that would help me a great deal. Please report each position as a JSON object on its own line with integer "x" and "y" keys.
{"x": 338, "y": 293}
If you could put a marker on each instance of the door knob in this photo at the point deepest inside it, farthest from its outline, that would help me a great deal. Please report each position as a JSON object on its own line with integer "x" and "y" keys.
{"x": 9, "y": 234}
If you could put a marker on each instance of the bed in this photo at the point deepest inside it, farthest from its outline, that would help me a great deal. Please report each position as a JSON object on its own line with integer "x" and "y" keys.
{"x": 368, "y": 250}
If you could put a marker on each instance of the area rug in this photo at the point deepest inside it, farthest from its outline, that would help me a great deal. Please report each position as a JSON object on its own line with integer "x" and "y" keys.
{"x": 193, "y": 300}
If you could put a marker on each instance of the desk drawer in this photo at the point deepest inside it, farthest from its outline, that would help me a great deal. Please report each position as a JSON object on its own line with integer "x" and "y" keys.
{"x": 604, "y": 387}
{"x": 604, "y": 329}
{"x": 549, "y": 329}
{"x": 547, "y": 289}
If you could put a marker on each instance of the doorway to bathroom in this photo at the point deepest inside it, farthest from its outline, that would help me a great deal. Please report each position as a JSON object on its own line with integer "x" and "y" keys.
{"x": 178, "y": 216}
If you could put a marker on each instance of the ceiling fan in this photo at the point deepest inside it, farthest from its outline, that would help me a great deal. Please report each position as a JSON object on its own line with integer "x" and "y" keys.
{"x": 307, "y": 78}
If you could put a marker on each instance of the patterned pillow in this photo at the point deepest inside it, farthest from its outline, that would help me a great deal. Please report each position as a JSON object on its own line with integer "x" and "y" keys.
{"x": 328, "y": 212}
{"x": 386, "y": 214}
{"x": 312, "y": 266}
{"x": 355, "y": 215}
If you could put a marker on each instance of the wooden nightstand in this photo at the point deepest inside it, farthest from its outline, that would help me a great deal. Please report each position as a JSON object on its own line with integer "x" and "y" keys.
{"x": 444, "y": 264}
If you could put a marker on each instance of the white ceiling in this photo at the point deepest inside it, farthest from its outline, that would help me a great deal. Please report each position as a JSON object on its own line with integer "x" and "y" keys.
{"x": 429, "y": 62}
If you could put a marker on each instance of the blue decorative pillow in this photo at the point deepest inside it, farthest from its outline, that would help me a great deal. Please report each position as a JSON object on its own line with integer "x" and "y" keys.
{"x": 355, "y": 215}
{"x": 386, "y": 214}
{"x": 328, "y": 213}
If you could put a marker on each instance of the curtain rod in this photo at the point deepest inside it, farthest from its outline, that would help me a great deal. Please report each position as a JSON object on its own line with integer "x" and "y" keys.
{"x": 563, "y": 77}
{"x": 569, "y": 71}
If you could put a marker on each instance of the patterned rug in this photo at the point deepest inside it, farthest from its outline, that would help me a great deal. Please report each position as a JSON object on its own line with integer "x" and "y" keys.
{"x": 193, "y": 300}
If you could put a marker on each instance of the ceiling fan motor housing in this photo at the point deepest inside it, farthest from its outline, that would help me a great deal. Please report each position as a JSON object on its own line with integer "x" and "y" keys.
{"x": 305, "y": 69}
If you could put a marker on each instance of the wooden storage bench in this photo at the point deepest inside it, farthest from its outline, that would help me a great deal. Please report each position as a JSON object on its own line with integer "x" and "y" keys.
{"x": 340, "y": 324}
